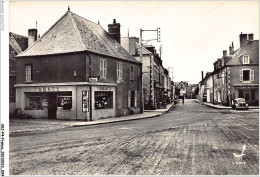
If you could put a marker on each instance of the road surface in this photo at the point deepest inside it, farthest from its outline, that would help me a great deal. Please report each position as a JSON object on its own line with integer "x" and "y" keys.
{"x": 191, "y": 139}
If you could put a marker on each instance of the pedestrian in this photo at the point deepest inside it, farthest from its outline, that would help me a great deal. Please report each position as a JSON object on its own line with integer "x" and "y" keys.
{"x": 182, "y": 99}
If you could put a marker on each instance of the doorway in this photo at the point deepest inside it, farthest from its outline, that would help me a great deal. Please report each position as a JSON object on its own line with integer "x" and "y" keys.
{"x": 52, "y": 106}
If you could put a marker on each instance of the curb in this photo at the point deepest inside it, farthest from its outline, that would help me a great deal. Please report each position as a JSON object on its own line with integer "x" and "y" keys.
{"x": 26, "y": 132}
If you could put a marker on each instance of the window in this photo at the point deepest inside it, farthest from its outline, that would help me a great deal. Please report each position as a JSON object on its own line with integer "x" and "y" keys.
{"x": 33, "y": 102}
{"x": 65, "y": 102}
{"x": 119, "y": 70}
{"x": 103, "y": 100}
{"x": 132, "y": 72}
{"x": 28, "y": 72}
{"x": 103, "y": 68}
{"x": 247, "y": 75}
{"x": 246, "y": 59}
{"x": 132, "y": 99}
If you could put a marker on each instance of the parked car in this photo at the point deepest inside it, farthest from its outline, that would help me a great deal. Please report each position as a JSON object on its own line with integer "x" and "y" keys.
{"x": 239, "y": 103}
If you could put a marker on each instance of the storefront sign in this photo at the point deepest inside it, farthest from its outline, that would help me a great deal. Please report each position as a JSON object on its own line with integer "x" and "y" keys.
{"x": 92, "y": 79}
{"x": 85, "y": 101}
{"x": 104, "y": 88}
{"x": 47, "y": 89}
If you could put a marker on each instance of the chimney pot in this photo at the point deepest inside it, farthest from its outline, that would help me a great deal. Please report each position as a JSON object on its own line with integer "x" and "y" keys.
{"x": 32, "y": 36}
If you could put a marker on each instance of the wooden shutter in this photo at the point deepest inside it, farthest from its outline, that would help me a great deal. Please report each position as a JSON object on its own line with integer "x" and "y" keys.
{"x": 100, "y": 68}
{"x": 241, "y": 75}
{"x": 129, "y": 99}
{"x": 121, "y": 71}
{"x": 135, "y": 99}
{"x": 105, "y": 68}
{"x": 252, "y": 73}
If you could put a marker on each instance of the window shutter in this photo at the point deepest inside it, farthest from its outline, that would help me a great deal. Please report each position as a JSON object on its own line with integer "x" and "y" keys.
{"x": 135, "y": 99}
{"x": 129, "y": 98}
{"x": 117, "y": 70}
{"x": 100, "y": 68}
{"x": 121, "y": 71}
{"x": 252, "y": 73}
{"x": 241, "y": 75}
{"x": 105, "y": 68}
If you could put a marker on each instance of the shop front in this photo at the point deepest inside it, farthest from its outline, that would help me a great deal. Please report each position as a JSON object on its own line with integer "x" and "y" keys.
{"x": 249, "y": 92}
{"x": 71, "y": 101}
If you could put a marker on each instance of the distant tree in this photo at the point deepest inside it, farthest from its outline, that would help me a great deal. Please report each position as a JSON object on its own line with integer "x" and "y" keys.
{"x": 177, "y": 91}
{"x": 196, "y": 92}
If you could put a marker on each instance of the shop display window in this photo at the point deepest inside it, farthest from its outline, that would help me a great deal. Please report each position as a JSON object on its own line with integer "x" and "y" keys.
{"x": 35, "y": 102}
{"x": 65, "y": 102}
{"x": 103, "y": 100}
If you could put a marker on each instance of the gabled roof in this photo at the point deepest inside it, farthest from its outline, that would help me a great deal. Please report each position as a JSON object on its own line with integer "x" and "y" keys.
{"x": 144, "y": 50}
{"x": 251, "y": 48}
{"x": 72, "y": 33}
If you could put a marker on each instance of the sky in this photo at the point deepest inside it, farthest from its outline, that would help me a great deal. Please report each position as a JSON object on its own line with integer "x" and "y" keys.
{"x": 193, "y": 33}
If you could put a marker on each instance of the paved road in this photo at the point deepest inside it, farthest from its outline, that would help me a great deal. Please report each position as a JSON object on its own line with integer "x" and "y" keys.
{"x": 190, "y": 112}
{"x": 144, "y": 146}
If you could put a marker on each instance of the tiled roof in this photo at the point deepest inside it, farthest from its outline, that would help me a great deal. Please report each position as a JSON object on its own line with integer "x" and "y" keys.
{"x": 144, "y": 50}
{"x": 251, "y": 48}
{"x": 17, "y": 44}
{"x": 72, "y": 33}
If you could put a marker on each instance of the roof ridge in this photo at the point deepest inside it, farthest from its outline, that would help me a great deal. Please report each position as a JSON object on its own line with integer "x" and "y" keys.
{"x": 84, "y": 18}
{"x": 77, "y": 30}
{"x": 43, "y": 34}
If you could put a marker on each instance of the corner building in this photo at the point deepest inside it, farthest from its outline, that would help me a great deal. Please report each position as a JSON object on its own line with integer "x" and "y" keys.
{"x": 77, "y": 71}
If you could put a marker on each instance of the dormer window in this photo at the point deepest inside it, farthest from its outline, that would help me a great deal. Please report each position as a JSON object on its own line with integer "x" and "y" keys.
{"x": 246, "y": 59}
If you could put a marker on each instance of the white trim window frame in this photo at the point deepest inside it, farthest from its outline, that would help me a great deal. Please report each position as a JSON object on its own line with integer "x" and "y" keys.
{"x": 251, "y": 75}
{"x": 28, "y": 72}
{"x": 246, "y": 59}
{"x": 119, "y": 70}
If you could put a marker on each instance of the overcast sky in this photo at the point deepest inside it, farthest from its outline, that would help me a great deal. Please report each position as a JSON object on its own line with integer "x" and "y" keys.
{"x": 194, "y": 33}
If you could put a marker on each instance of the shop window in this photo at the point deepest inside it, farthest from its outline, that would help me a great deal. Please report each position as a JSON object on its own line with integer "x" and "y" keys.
{"x": 103, "y": 100}
{"x": 65, "y": 102}
{"x": 34, "y": 102}
{"x": 241, "y": 94}
{"x": 247, "y": 95}
{"x": 253, "y": 94}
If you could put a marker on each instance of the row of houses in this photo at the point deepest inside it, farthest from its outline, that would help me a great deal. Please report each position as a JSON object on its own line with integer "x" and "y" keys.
{"x": 234, "y": 76}
{"x": 158, "y": 87}
{"x": 79, "y": 71}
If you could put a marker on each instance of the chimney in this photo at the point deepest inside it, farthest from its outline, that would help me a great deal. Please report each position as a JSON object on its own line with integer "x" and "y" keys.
{"x": 114, "y": 31}
{"x": 243, "y": 39}
{"x": 202, "y": 75}
{"x": 250, "y": 37}
{"x": 231, "y": 49}
{"x": 32, "y": 36}
{"x": 224, "y": 53}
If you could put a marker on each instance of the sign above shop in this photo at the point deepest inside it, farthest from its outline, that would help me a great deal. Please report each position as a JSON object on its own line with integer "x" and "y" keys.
{"x": 47, "y": 89}
{"x": 104, "y": 88}
{"x": 93, "y": 79}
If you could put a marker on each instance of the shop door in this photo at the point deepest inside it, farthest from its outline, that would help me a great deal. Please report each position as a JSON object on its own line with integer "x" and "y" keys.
{"x": 52, "y": 106}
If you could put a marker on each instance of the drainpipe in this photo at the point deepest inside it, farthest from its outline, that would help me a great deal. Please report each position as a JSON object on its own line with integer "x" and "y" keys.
{"x": 90, "y": 90}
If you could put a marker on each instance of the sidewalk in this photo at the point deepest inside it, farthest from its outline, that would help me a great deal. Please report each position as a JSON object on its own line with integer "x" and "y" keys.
{"x": 18, "y": 126}
{"x": 220, "y": 106}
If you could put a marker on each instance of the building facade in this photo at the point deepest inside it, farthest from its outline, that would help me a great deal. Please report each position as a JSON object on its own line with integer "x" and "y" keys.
{"x": 17, "y": 44}
{"x": 78, "y": 71}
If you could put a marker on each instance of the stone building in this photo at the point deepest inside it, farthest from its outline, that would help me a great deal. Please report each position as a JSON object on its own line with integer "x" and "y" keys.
{"x": 78, "y": 71}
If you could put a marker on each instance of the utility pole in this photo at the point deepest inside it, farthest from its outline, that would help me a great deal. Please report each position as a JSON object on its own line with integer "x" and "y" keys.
{"x": 141, "y": 59}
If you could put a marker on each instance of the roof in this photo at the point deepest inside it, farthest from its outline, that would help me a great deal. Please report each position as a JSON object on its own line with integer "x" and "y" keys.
{"x": 18, "y": 42}
{"x": 72, "y": 33}
{"x": 251, "y": 48}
